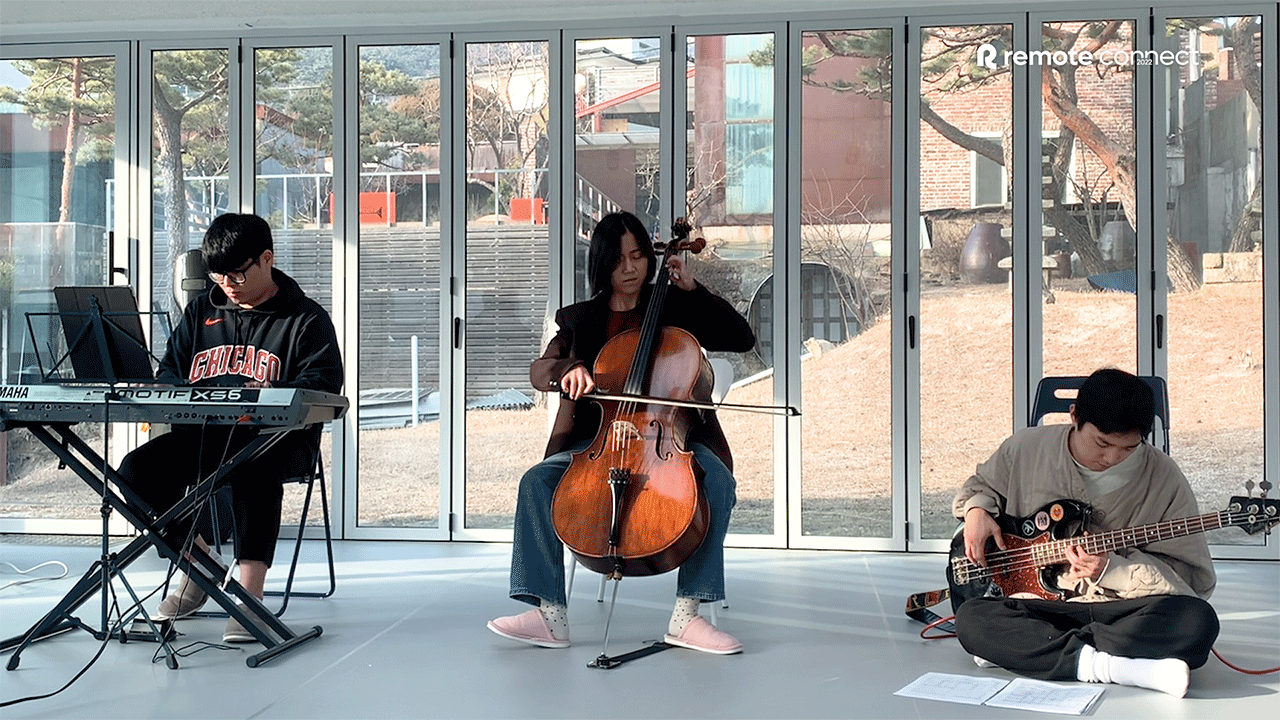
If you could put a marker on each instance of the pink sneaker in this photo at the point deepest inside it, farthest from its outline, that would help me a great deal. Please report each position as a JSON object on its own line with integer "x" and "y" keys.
{"x": 702, "y": 636}
{"x": 528, "y": 627}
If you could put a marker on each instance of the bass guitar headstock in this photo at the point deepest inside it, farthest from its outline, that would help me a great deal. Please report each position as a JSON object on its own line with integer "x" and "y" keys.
{"x": 1254, "y": 515}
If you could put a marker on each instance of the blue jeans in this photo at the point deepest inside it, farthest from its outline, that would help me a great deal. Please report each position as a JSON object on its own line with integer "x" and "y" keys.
{"x": 537, "y": 555}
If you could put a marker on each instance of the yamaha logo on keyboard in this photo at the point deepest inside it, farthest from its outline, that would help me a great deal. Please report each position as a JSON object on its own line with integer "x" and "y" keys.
{"x": 13, "y": 392}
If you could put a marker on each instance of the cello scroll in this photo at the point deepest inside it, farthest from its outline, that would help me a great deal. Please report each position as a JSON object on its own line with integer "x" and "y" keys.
{"x": 680, "y": 240}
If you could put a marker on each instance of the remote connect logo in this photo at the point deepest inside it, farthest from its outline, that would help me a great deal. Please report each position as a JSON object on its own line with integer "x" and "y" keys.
{"x": 993, "y": 58}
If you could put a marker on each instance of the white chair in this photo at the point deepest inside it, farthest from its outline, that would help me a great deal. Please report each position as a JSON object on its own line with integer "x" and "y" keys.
{"x": 722, "y": 371}
{"x": 604, "y": 579}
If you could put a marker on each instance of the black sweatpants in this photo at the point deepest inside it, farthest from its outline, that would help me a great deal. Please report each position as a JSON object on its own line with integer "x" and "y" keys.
{"x": 1042, "y": 638}
{"x": 161, "y": 470}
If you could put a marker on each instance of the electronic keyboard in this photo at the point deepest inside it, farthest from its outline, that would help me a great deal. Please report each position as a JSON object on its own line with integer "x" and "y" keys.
{"x": 268, "y": 407}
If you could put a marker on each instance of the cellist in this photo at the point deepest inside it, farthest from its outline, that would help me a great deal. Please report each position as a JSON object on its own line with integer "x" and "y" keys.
{"x": 621, "y": 265}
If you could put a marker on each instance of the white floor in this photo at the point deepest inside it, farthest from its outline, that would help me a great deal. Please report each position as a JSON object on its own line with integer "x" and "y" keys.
{"x": 404, "y": 637}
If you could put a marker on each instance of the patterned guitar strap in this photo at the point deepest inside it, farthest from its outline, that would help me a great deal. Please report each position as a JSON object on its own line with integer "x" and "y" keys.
{"x": 918, "y": 608}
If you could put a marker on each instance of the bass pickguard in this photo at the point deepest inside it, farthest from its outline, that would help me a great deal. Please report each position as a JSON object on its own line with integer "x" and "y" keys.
{"x": 1055, "y": 521}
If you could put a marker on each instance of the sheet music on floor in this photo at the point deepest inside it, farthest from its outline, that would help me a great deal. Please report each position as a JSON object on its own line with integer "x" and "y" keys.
{"x": 1020, "y": 693}
{"x": 953, "y": 688}
{"x": 1027, "y": 694}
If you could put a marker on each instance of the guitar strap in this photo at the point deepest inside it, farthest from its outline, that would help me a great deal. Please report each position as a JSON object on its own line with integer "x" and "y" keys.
{"x": 918, "y": 606}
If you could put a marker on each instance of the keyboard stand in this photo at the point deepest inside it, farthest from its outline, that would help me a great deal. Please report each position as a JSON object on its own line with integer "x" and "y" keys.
{"x": 85, "y": 462}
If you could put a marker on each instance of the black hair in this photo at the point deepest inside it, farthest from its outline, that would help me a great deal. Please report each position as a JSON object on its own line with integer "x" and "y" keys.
{"x": 605, "y": 252}
{"x": 1115, "y": 402}
{"x": 234, "y": 239}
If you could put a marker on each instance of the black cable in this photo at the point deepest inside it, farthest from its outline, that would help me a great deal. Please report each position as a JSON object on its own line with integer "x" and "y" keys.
{"x": 185, "y": 549}
{"x": 226, "y": 450}
{"x": 199, "y": 646}
{"x": 106, "y": 638}
{"x": 200, "y": 502}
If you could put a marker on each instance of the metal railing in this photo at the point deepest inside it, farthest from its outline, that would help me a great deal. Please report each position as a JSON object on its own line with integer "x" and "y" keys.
{"x": 207, "y": 196}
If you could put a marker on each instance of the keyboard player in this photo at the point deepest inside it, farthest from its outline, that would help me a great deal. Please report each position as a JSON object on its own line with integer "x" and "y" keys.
{"x": 255, "y": 328}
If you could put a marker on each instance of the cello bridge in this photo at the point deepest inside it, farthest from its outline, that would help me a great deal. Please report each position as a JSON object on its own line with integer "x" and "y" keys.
{"x": 623, "y": 433}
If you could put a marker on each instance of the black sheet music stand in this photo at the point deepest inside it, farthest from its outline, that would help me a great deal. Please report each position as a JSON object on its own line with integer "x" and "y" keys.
{"x": 105, "y": 344}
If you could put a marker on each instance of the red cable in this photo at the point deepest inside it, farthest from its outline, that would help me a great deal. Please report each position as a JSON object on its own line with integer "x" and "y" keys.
{"x": 935, "y": 624}
{"x": 1243, "y": 670}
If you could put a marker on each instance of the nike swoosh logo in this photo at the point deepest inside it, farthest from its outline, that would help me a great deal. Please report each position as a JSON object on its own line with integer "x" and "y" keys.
{"x": 209, "y": 322}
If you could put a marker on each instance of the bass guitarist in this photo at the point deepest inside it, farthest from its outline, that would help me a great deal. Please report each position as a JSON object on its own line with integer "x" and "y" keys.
{"x": 1133, "y": 617}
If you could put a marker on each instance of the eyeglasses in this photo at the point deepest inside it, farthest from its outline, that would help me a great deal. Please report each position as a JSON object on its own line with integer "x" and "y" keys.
{"x": 237, "y": 277}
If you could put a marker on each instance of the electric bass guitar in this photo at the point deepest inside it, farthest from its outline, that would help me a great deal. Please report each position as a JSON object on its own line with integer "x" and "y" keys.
{"x": 1037, "y": 545}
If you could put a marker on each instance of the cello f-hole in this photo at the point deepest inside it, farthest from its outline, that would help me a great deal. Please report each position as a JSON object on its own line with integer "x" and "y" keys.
{"x": 657, "y": 446}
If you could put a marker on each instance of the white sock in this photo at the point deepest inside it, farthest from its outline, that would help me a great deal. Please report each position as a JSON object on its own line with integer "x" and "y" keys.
{"x": 686, "y": 610}
{"x": 1168, "y": 675}
{"x": 557, "y": 617}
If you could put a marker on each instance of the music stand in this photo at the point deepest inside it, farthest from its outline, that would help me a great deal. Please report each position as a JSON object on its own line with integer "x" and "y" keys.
{"x": 105, "y": 344}
{"x": 103, "y": 331}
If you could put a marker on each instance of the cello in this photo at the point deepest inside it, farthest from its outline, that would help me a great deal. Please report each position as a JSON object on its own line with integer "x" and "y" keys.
{"x": 631, "y": 503}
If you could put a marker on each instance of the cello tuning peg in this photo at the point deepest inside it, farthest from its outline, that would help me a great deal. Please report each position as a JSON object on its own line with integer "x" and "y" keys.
{"x": 680, "y": 228}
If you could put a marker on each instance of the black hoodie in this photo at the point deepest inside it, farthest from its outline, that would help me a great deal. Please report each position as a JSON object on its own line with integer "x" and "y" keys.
{"x": 287, "y": 341}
